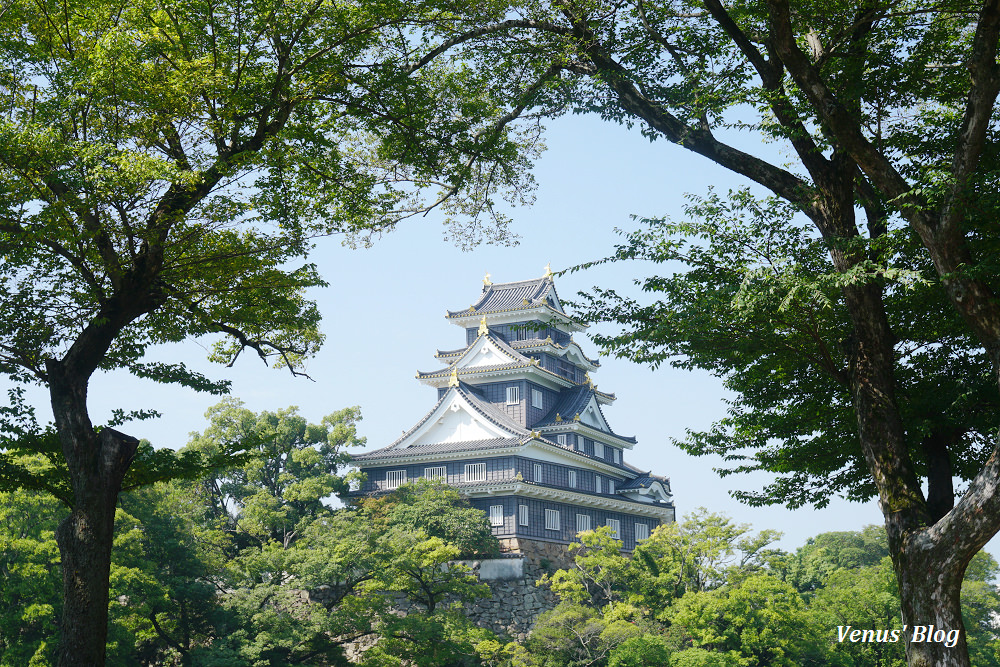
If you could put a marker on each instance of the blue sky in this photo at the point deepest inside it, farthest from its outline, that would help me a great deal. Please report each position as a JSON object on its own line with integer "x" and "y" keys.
{"x": 384, "y": 317}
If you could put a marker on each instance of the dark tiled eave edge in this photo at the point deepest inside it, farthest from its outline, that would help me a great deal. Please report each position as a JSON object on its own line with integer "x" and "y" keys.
{"x": 441, "y": 448}
{"x": 529, "y": 343}
{"x": 559, "y": 489}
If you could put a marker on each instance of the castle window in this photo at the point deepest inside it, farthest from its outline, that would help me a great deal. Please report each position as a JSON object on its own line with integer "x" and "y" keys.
{"x": 641, "y": 532}
{"x": 536, "y": 398}
{"x": 522, "y": 515}
{"x": 538, "y": 472}
{"x": 522, "y": 333}
{"x": 475, "y": 472}
{"x": 597, "y": 484}
{"x": 437, "y": 472}
{"x": 615, "y": 525}
{"x": 611, "y": 486}
{"x": 618, "y": 455}
{"x": 572, "y": 479}
{"x": 561, "y": 439}
{"x": 599, "y": 450}
{"x": 395, "y": 479}
{"x": 582, "y": 523}
{"x": 496, "y": 515}
{"x": 551, "y": 519}
{"x": 513, "y": 395}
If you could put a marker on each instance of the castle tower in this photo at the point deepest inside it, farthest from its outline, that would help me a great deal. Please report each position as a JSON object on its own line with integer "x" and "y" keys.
{"x": 519, "y": 428}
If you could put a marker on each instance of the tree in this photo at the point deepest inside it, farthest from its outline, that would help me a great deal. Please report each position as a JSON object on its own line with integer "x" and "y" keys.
{"x": 29, "y": 575}
{"x": 888, "y": 111}
{"x": 761, "y": 619}
{"x": 164, "y": 167}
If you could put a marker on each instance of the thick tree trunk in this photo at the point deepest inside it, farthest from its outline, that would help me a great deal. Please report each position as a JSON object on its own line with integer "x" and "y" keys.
{"x": 97, "y": 463}
{"x": 930, "y": 589}
{"x": 85, "y": 539}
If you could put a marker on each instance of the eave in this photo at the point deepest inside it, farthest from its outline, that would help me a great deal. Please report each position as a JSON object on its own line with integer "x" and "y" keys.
{"x": 571, "y": 497}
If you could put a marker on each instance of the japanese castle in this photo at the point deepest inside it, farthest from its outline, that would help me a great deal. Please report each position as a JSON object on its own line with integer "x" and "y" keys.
{"x": 519, "y": 428}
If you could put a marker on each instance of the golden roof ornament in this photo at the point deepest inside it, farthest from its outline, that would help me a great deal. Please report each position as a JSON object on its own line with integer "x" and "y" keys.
{"x": 526, "y": 302}
{"x": 576, "y": 417}
{"x": 558, "y": 417}
{"x": 535, "y": 435}
{"x": 548, "y": 270}
{"x": 483, "y": 329}
{"x": 486, "y": 280}
{"x": 453, "y": 380}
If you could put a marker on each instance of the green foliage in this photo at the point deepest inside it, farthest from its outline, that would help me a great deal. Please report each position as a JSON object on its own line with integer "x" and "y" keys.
{"x": 289, "y": 468}
{"x": 600, "y": 573}
{"x": 762, "y": 619}
{"x": 30, "y": 578}
{"x": 427, "y": 640}
{"x": 640, "y": 652}
{"x": 754, "y": 298}
{"x": 439, "y": 511}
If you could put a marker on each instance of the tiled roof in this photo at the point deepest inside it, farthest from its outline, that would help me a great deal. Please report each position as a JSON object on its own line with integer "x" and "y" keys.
{"x": 510, "y": 296}
{"x": 518, "y": 361}
{"x": 510, "y": 365}
{"x": 438, "y": 448}
{"x": 571, "y": 403}
{"x": 642, "y": 482}
{"x": 540, "y": 342}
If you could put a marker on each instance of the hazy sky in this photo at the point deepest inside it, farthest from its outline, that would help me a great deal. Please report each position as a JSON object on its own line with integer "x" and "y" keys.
{"x": 384, "y": 318}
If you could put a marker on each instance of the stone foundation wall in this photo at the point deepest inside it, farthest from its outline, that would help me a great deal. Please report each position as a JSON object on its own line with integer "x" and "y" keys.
{"x": 515, "y": 604}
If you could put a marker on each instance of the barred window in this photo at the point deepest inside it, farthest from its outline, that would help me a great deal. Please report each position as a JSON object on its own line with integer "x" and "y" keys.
{"x": 615, "y": 526}
{"x": 599, "y": 450}
{"x": 617, "y": 455}
{"x": 475, "y": 472}
{"x": 536, "y": 398}
{"x": 582, "y": 523}
{"x": 561, "y": 439}
{"x": 522, "y": 515}
{"x": 513, "y": 395}
{"x": 395, "y": 479}
{"x": 611, "y": 486}
{"x": 572, "y": 479}
{"x": 551, "y": 519}
{"x": 641, "y": 532}
{"x": 496, "y": 515}
{"x": 597, "y": 484}
{"x": 538, "y": 472}
{"x": 437, "y": 472}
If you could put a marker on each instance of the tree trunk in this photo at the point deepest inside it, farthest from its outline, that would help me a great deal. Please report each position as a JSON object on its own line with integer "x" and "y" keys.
{"x": 85, "y": 538}
{"x": 930, "y": 589}
{"x": 97, "y": 463}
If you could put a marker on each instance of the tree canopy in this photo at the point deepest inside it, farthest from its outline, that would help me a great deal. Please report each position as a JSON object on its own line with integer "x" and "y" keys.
{"x": 884, "y": 114}
{"x": 164, "y": 167}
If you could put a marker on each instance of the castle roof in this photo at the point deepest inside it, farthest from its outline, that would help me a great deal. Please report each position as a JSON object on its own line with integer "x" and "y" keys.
{"x": 508, "y": 296}
{"x": 538, "y": 295}
{"x": 490, "y": 354}
{"x": 581, "y": 404}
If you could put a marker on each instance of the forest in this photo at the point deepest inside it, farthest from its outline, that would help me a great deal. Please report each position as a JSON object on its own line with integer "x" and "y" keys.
{"x": 251, "y": 565}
